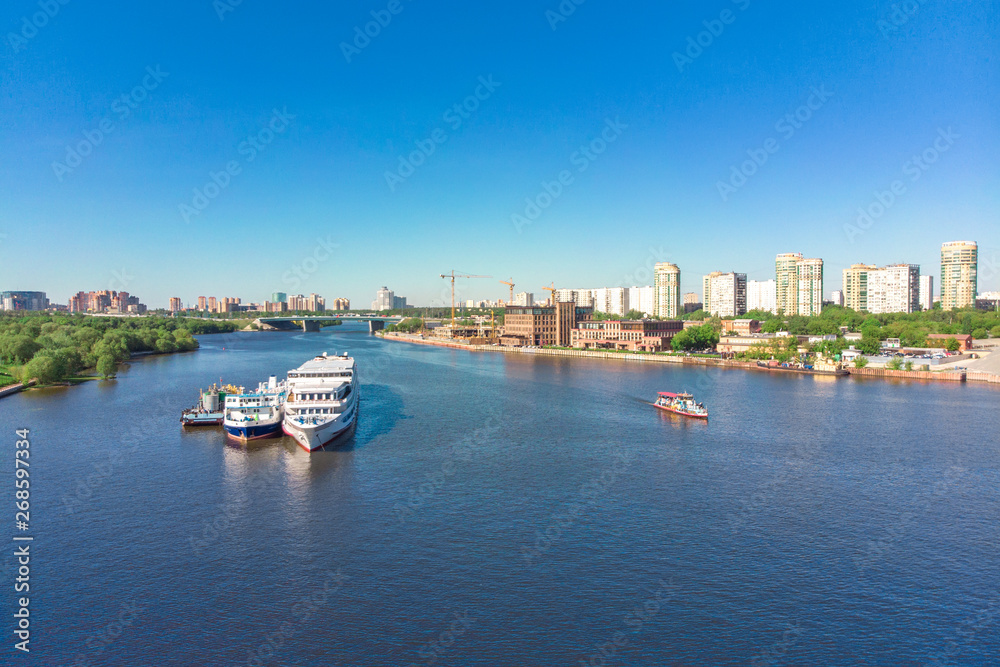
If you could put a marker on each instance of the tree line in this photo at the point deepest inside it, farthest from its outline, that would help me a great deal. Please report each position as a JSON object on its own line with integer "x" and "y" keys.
{"x": 53, "y": 347}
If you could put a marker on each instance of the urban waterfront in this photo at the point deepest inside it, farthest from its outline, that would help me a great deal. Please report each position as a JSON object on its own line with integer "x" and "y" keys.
{"x": 514, "y": 510}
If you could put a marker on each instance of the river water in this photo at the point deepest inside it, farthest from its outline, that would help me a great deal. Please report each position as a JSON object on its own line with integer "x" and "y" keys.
{"x": 499, "y": 509}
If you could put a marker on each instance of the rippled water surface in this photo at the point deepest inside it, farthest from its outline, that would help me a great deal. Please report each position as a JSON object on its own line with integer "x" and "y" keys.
{"x": 508, "y": 510}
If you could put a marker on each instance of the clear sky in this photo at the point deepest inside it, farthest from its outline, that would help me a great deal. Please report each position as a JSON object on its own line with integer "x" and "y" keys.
{"x": 161, "y": 95}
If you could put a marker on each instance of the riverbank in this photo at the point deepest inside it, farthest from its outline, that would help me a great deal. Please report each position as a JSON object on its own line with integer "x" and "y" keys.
{"x": 941, "y": 376}
{"x": 80, "y": 379}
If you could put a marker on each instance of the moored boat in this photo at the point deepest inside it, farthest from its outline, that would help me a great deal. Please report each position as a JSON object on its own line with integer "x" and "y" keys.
{"x": 251, "y": 415}
{"x": 322, "y": 400}
{"x": 209, "y": 410}
{"x": 681, "y": 404}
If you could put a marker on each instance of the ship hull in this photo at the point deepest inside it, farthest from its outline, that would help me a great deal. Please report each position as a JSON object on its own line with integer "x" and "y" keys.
{"x": 682, "y": 413}
{"x": 253, "y": 431}
{"x": 315, "y": 436}
{"x": 202, "y": 419}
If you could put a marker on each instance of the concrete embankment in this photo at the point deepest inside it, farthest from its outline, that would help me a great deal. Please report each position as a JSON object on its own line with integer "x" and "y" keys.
{"x": 950, "y": 376}
{"x": 14, "y": 388}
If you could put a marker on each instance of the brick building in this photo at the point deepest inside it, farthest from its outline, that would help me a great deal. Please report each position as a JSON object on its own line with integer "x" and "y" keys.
{"x": 543, "y": 325}
{"x": 635, "y": 335}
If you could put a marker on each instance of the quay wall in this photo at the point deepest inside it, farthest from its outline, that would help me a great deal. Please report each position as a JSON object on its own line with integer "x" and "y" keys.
{"x": 951, "y": 376}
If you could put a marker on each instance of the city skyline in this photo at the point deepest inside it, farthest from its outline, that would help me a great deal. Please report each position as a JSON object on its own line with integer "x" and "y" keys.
{"x": 814, "y": 286}
{"x": 644, "y": 137}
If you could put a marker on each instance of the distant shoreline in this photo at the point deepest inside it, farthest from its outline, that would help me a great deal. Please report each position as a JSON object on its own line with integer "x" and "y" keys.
{"x": 882, "y": 373}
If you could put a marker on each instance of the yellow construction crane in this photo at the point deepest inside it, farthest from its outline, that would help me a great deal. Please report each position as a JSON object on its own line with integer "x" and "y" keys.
{"x": 452, "y": 276}
{"x": 553, "y": 290}
{"x": 511, "y": 284}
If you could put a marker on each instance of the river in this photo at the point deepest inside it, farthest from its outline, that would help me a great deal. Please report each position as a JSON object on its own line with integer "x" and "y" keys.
{"x": 497, "y": 509}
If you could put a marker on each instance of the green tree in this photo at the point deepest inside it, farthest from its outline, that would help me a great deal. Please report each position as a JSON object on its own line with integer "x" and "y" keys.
{"x": 165, "y": 345}
{"x": 773, "y": 325}
{"x": 979, "y": 333}
{"x": 908, "y": 366}
{"x": 895, "y": 364}
{"x": 45, "y": 367}
{"x": 995, "y": 331}
{"x": 107, "y": 367}
{"x": 869, "y": 344}
{"x": 952, "y": 345}
{"x": 860, "y": 362}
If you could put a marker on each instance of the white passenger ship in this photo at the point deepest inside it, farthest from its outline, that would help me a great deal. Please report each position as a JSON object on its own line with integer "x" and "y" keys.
{"x": 322, "y": 400}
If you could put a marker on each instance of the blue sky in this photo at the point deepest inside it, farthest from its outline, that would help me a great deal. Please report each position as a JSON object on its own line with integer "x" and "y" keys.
{"x": 197, "y": 85}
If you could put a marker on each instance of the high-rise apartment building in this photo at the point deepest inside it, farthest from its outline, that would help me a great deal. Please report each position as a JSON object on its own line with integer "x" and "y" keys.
{"x": 894, "y": 289}
{"x": 837, "y": 298}
{"x": 799, "y": 284}
{"x": 959, "y": 269}
{"x": 175, "y": 304}
{"x": 667, "y": 291}
{"x": 279, "y": 297}
{"x": 22, "y": 300}
{"x": 810, "y": 297}
{"x": 927, "y": 292}
{"x": 611, "y": 300}
{"x": 202, "y": 303}
{"x": 787, "y": 282}
{"x": 762, "y": 295}
{"x": 856, "y": 286}
{"x": 641, "y": 299}
{"x": 725, "y": 294}
{"x": 526, "y": 299}
{"x": 105, "y": 301}
{"x": 383, "y": 299}
{"x": 314, "y": 303}
{"x": 212, "y": 304}
{"x": 341, "y": 304}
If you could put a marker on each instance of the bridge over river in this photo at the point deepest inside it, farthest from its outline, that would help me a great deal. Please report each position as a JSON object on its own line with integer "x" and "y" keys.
{"x": 315, "y": 322}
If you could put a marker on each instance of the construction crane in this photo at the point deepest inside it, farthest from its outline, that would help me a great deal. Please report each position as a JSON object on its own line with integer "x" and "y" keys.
{"x": 553, "y": 290}
{"x": 511, "y": 284}
{"x": 452, "y": 276}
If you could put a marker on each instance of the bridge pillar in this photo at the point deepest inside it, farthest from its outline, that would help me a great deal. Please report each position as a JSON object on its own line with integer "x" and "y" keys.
{"x": 375, "y": 325}
{"x": 308, "y": 325}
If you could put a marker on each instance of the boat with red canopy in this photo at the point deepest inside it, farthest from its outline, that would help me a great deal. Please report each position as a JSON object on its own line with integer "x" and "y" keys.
{"x": 681, "y": 404}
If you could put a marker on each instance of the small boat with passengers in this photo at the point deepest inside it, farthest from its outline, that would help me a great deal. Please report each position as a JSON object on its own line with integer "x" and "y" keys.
{"x": 681, "y": 404}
